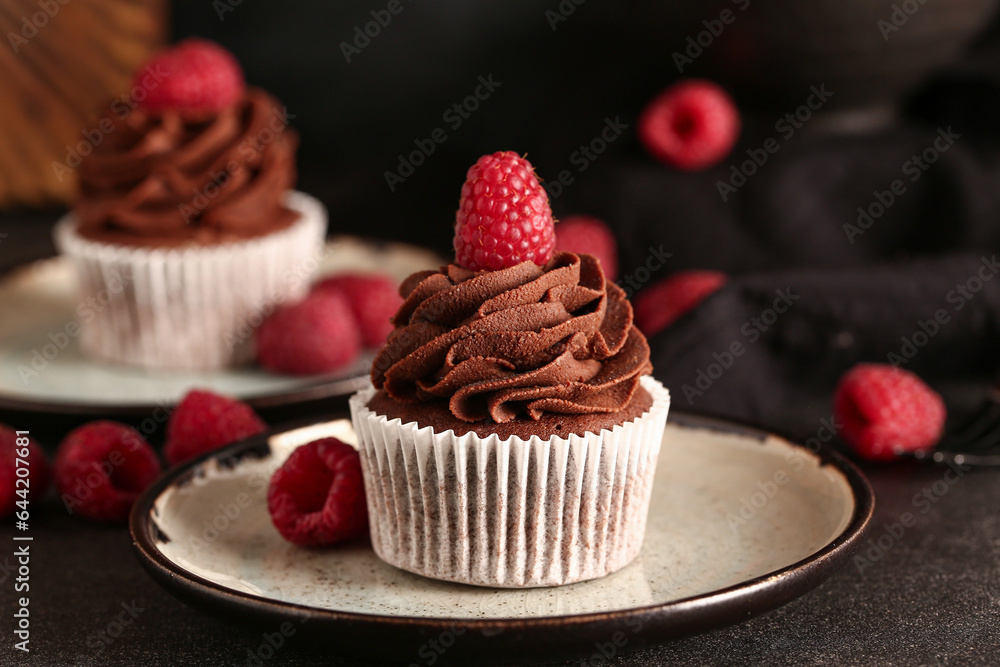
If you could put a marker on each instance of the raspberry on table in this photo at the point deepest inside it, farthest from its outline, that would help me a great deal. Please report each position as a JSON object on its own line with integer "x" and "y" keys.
{"x": 589, "y": 235}
{"x": 317, "y": 496}
{"x": 39, "y": 472}
{"x": 316, "y": 335}
{"x": 193, "y": 75}
{"x": 204, "y": 421}
{"x": 659, "y": 305}
{"x": 691, "y": 125}
{"x": 373, "y": 299}
{"x": 503, "y": 215}
{"x": 887, "y": 410}
{"x": 102, "y": 467}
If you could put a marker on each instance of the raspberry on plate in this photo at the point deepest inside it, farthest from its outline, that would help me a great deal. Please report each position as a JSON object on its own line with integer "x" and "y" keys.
{"x": 317, "y": 496}
{"x": 691, "y": 125}
{"x": 373, "y": 298}
{"x": 102, "y": 467}
{"x": 37, "y": 466}
{"x": 503, "y": 216}
{"x": 590, "y": 235}
{"x": 204, "y": 421}
{"x": 887, "y": 410}
{"x": 657, "y": 306}
{"x": 316, "y": 335}
{"x": 193, "y": 75}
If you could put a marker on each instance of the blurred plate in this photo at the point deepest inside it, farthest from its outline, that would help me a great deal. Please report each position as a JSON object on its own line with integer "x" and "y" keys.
{"x": 740, "y": 522}
{"x": 42, "y": 370}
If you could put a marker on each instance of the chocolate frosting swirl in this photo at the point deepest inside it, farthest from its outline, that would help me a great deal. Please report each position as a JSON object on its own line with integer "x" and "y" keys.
{"x": 173, "y": 177}
{"x": 526, "y": 340}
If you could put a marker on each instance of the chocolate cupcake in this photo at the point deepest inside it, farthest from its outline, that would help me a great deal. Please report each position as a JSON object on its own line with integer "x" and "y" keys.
{"x": 186, "y": 229}
{"x": 511, "y": 434}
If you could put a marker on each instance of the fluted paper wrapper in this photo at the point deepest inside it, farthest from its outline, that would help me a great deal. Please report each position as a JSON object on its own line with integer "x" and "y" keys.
{"x": 191, "y": 307}
{"x": 508, "y": 513}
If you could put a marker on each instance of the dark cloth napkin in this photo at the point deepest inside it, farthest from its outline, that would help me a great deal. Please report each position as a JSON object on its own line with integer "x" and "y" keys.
{"x": 878, "y": 245}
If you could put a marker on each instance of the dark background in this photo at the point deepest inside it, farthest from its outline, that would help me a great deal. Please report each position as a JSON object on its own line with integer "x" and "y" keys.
{"x": 564, "y": 69}
{"x": 932, "y": 599}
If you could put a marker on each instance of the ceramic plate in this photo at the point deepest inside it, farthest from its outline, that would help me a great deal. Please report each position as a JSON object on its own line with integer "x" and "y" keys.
{"x": 41, "y": 368}
{"x": 741, "y": 522}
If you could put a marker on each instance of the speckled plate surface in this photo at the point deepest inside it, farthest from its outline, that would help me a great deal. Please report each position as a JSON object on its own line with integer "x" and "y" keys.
{"x": 42, "y": 370}
{"x": 740, "y": 522}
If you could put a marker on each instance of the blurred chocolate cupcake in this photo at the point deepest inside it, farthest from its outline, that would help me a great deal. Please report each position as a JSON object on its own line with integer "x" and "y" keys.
{"x": 186, "y": 226}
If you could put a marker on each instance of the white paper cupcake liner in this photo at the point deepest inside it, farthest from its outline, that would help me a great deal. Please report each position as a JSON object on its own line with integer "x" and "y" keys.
{"x": 508, "y": 513}
{"x": 191, "y": 307}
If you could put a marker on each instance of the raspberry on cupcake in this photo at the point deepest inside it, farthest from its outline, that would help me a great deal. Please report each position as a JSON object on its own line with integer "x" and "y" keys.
{"x": 503, "y": 216}
{"x": 198, "y": 75}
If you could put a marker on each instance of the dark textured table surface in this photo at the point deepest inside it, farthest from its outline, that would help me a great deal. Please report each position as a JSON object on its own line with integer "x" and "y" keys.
{"x": 927, "y": 594}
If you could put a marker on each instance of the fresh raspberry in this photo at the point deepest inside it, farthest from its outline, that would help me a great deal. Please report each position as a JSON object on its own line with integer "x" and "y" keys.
{"x": 691, "y": 125}
{"x": 317, "y": 496}
{"x": 657, "y": 306}
{"x": 503, "y": 216}
{"x": 102, "y": 467}
{"x": 193, "y": 75}
{"x": 204, "y": 421}
{"x": 373, "y": 299}
{"x": 37, "y": 467}
{"x": 316, "y": 335}
{"x": 585, "y": 234}
{"x": 887, "y": 410}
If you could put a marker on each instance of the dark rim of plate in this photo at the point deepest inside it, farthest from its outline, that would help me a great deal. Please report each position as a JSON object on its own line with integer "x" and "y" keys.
{"x": 313, "y": 389}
